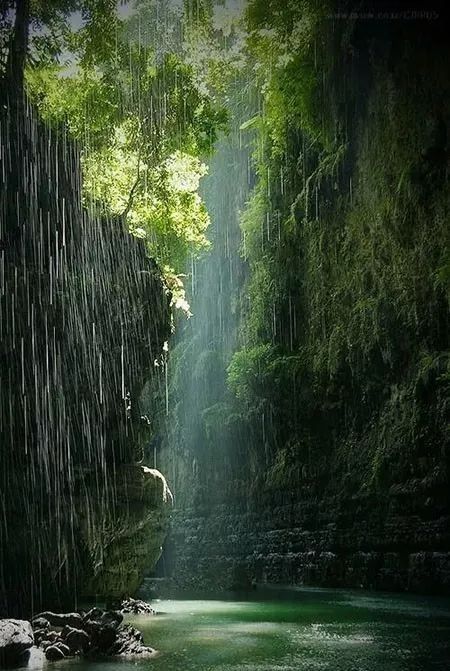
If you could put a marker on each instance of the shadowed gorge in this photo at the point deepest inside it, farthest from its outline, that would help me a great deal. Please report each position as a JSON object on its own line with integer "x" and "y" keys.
{"x": 323, "y": 457}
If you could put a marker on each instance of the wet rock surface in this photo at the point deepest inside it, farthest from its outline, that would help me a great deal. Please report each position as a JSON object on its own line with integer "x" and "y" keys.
{"x": 57, "y": 651}
{"x": 59, "y": 619}
{"x": 77, "y": 639}
{"x": 97, "y": 633}
{"x": 128, "y": 641}
{"x": 123, "y": 549}
{"x": 57, "y": 268}
{"x": 301, "y": 543}
{"x": 136, "y": 607}
{"x": 16, "y": 639}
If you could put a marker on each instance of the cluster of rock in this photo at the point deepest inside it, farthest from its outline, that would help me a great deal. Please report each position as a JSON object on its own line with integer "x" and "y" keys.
{"x": 136, "y": 607}
{"x": 96, "y": 633}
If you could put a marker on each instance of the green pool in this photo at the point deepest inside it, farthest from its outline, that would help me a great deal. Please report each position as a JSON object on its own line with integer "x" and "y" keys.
{"x": 293, "y": 630}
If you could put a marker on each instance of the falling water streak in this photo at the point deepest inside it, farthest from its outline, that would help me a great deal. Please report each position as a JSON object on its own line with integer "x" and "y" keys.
{"x": 77, "y": 318}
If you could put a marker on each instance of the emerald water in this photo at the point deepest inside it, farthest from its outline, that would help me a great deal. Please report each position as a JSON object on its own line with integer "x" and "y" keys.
{"x": 293, "y": 630}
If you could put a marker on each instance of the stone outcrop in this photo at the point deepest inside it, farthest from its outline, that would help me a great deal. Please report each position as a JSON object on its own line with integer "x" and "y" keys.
{"x": 99, "y": 633}
{"x": 311, "y": 541}
{"x": 91, "y": 313}
{"x": 136, "y": 607}
{"x": 44, "y": 620}
{"x": 16, "y": 639}
{"x": 129, "y": 540}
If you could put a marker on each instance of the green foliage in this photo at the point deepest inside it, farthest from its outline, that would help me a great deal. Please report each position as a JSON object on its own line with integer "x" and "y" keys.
{"x": 342, "y": 357}
{"x": 207, "y": 367}
{"x": 283, "y": 42}
{"x": 142, "y": 123}
{"x": 166, "y": 209}
{"x": 85, "y": 101}
{"x": 50, "y": 33}
{"x": 248, "y": 373}
{"x": 214, "y": 45}
{"x": 217, "y": 419}
{"x": 344, "y": 309}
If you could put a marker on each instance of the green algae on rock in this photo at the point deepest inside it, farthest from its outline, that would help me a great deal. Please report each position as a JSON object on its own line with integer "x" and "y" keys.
{"x": 125, "y": 543}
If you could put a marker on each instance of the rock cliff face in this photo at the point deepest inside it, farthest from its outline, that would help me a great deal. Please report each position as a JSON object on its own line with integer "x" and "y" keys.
{"x": 327, "y": 459}
{"x": 84, "y": 315}
{"x": 129, "y": 542}
{"x": 310, "y": 542}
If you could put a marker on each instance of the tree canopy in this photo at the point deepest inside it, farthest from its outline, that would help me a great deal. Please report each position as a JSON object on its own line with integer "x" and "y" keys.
{"x": 142, "y": 121}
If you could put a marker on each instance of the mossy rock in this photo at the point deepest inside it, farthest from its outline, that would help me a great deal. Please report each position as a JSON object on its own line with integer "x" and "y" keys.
{"x": 121, "y": 546}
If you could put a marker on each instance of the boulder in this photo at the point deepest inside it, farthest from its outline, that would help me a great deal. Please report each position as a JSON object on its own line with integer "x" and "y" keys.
{"x": 40, "y": 635}
{"x": 64, "y": 648}
{"x": 40, "y": 623}
{"x": 16, "y": 639}
{"x": 105, "y": 638}
{"x": 57, "y": 651}
{"x": 129, "y": 642}
{"x": 120, "y": 550}
{"x": 102, "y": 635}
{"x": 93, "y": 614}
{"x": 76, "y": 639}
{"x": 112, "y": 617}
{"x": 61, "y": 619}
{"x": 137, "y": 607}
{"x": 52, "y": 636}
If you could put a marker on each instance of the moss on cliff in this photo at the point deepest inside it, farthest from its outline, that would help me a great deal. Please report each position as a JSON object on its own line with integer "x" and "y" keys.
{"x": 124, "y": 542}
{"x": 347, "y": 241}
{"x": 87, "y": 315}
{"x": 338, "y": 385}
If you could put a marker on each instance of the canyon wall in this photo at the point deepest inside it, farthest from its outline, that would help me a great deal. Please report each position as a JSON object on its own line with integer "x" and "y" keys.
{"x": 84, "y": 314}
{"x": 312, "y": 447}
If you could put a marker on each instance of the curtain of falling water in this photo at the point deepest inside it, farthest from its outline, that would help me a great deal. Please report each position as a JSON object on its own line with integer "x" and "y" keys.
{"x": 196, "y": 463}
{"x": 83, "y": 316}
